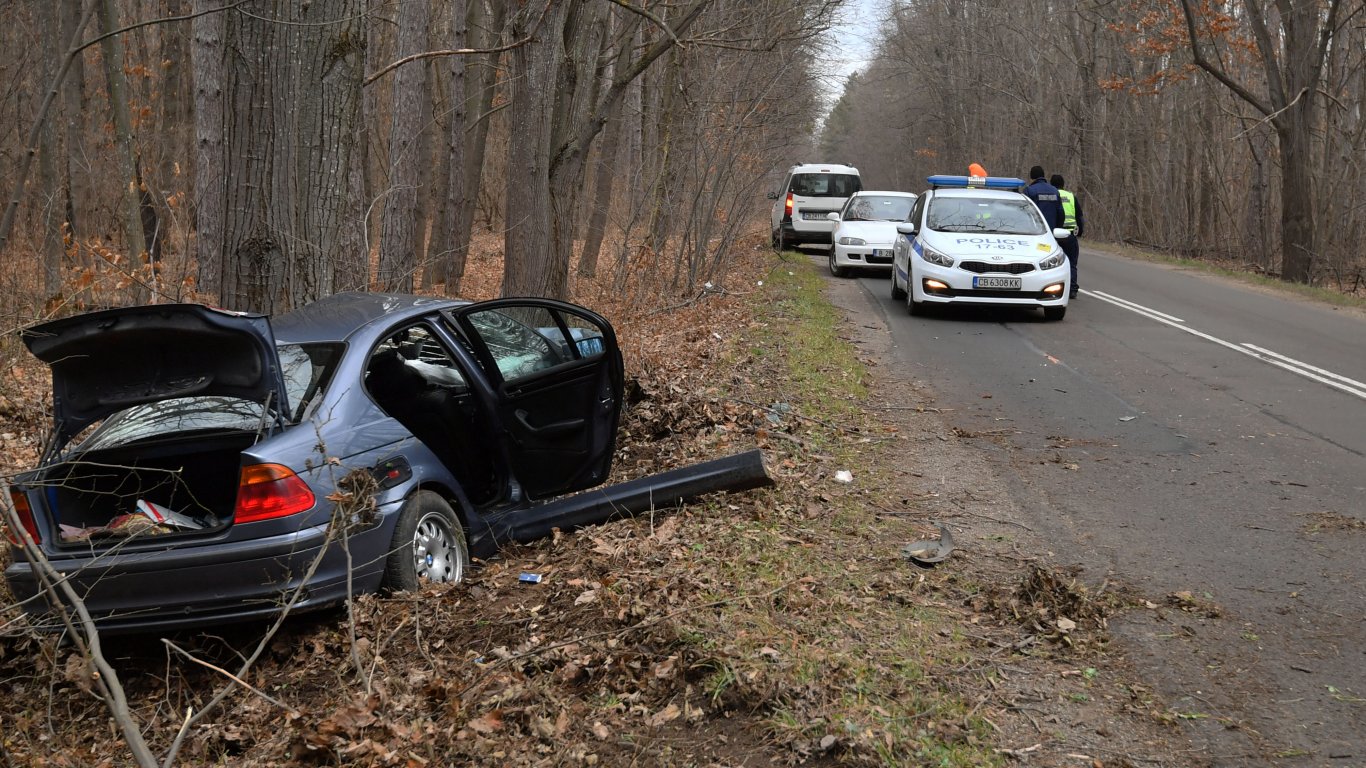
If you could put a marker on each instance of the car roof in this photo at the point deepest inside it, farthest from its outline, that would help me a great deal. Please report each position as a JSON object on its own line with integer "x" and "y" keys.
{"x": 823, "y": 168}
{"x": 883, "y": 193}
{"x": 339, "y": 316}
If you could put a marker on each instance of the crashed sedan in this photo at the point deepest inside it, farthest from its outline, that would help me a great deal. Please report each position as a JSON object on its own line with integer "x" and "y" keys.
{"x": 209, "y": 466}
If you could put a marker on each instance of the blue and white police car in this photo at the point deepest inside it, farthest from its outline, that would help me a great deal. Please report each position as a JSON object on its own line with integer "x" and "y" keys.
{"x": 979, "y": 240}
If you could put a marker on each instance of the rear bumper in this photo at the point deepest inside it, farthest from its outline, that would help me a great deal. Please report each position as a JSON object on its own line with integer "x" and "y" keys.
{"x": 819, "y": 233}
{"x": 204, "y": 585}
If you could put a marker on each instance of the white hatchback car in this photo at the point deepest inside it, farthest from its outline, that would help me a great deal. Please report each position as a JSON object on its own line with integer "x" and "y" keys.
{"x": 979, "y": 241}
{"x": 865, "y": 230}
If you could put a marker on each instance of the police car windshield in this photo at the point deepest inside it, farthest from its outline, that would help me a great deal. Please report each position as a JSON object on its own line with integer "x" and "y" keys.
{"x": 1002, "y": 216}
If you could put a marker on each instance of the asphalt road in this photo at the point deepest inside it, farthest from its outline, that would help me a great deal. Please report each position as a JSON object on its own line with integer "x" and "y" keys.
{"x": 1183, "y": 433}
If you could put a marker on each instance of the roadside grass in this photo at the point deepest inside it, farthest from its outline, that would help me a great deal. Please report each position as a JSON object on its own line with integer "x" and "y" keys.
{"x": 839, "y": 642}
{"x": 1333, "y": 296}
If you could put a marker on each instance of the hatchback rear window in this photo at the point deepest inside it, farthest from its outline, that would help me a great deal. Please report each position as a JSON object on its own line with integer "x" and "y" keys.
{"x": 825, "y": 184}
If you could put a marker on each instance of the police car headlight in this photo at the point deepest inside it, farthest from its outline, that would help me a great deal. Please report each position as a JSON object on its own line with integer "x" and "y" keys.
{"x": 852, "y": 241}
{"x": 1055, "y": 260}
{"x": 935, "y": 257}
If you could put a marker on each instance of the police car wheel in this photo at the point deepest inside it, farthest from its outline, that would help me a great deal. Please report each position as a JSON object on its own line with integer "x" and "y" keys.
{"x": 835, "y": 268}
{"x": 913, "y": 307}
{"x": 897, "y": 293}
{"x": 1054, "y": 313}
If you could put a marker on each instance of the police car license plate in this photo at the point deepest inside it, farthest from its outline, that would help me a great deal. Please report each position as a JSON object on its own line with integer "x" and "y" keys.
{"x": 997, "y": 283}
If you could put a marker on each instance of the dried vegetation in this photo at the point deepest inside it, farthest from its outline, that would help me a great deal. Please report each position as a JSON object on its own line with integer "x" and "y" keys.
{"x": 775, "y": 627}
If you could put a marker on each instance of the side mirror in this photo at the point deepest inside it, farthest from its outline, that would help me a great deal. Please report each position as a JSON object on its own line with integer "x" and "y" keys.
{"x": 906, "y": 227}
{"x": 832, "y": 216}
{"x": 772, "y": 195}
{"x": 1061, "y": 233}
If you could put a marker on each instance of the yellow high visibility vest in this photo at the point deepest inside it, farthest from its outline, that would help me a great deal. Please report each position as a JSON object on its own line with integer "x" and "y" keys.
{"x": 1069, "y": 210}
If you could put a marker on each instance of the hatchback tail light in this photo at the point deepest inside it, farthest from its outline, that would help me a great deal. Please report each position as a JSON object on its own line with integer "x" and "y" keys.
{"x": 21, "y": 506}
{"x": 787, "y": 207}
{"x": 268, "y": 491}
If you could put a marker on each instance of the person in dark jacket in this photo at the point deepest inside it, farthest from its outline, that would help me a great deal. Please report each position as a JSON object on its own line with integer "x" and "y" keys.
{"x": 1072, "y": 220}
{"x": 1046, "y": 196}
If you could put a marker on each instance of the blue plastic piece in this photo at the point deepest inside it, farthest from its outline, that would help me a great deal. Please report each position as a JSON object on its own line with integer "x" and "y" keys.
{"x": 984, "y": 182}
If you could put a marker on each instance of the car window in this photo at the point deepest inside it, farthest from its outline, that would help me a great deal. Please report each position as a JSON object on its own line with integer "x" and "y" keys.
{"x": 421, "y": 354}
{"x": 824, "y": 184}
{"x": 1004, "y": 216}
{"x": 521, "y": 340}
{"x": 306, "y": 368}
{"x": 917, "y": 211}
{"x": 878, "y": 208}
{"x": 527, "y": 339}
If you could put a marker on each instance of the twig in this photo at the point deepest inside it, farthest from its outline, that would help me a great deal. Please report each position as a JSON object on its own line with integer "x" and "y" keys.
{"x": 228, "y": 675}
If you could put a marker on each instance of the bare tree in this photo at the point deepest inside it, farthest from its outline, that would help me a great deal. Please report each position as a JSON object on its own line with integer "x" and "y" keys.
{"x": 401, "y": 245}
{"x": 1293, "y": 45}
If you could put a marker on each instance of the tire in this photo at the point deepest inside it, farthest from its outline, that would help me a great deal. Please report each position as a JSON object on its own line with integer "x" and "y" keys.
{"x": 913, "y": 308}
{"x": 836, "y": 269}
{"x": 776, "y": 239}
{"x": 1054, "y": 313}
{"x": 897, "y": 293}
{"x": 429, "y": 545}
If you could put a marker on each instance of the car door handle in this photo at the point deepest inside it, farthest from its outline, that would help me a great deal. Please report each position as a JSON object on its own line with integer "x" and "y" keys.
{"x": 548, "y": 430}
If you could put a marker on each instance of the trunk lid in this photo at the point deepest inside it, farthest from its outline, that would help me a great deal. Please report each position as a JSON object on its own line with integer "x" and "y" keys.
{"x": 105, "y": 361}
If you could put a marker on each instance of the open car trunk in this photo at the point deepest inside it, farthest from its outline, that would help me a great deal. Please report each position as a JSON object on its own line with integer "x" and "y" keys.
{"x": 182, "y": 486}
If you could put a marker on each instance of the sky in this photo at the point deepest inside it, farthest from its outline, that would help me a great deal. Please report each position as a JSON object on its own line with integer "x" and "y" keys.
{"x": 855, "y": 35}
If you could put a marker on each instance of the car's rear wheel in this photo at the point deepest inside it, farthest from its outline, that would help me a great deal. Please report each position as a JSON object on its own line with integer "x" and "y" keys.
{"x": 897, "y": 293}
{"x": 428, "y": 545}
{"x": 835, "y": 268}
{"x": 1054, "y": 313}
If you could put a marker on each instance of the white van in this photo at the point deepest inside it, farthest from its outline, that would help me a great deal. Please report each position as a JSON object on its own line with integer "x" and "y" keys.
{"x": 809, "y": 192}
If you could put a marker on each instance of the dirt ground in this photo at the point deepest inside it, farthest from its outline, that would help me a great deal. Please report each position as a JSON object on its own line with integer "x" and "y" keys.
{"x": 728, "y": 633}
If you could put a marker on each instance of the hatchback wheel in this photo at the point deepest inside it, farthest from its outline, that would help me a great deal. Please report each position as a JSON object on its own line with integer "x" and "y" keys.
{"x": 835, "y": 268}
{"x": 1054, "y": 313}
{"x": 429, "y": 545}
{"x": 897, "y": 293}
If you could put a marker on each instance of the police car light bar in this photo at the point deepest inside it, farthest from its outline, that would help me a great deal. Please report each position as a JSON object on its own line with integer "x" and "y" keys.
{"x": 985, "y": 182}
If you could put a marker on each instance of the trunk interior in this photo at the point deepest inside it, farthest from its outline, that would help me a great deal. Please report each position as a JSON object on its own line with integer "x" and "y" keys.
{"x": 193, "y": 476}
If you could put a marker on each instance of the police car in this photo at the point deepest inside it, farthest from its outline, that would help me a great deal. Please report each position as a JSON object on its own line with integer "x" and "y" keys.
{"x": 979, "y": 240}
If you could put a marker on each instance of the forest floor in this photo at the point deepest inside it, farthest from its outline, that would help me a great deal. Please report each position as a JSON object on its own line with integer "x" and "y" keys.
{"x": 774, "y": 627}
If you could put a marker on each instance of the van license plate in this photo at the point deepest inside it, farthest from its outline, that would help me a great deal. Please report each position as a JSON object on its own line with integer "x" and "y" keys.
{"x": 997, "y": 283}
{"x": 813, "y": 215}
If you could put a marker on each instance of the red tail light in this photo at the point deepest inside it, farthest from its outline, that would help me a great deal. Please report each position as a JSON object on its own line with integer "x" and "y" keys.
{"x": 21, "y": 506}
{"x": 268, "y": 491}
{"x": 787, "y": 207}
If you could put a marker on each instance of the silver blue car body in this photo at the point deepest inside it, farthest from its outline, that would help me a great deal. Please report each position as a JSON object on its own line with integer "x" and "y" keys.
{"x": 244, "y": 428}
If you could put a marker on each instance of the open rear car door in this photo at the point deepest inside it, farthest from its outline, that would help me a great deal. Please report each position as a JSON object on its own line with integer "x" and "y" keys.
{"x": 557, "y": 375}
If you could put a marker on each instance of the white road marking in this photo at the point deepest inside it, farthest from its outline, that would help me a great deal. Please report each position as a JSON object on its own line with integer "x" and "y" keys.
{"x": 1322, "y": 376}
{"x": 1132, "y": 305}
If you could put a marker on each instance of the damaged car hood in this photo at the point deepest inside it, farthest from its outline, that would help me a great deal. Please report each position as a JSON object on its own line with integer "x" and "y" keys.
{"x": 103, "y": 362}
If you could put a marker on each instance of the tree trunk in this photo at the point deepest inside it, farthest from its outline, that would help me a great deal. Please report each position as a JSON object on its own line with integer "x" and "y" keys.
{"x": 447, "y": 255}
{"x": 485, "y": 23}
{"x": 295, "y": 91}
{"x": 77, "y": 169}
{"x": 53, "y": 205}
{"x": 206, "y": 57}
{"x": 529, "y": 264}
{"x": 399, "y": 241}
{"x": 124, "y": 149}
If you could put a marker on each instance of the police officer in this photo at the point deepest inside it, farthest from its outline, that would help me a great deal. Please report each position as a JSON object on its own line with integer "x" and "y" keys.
{"x": 1073, "y": 220}
{"x": 1046, "y": 196}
